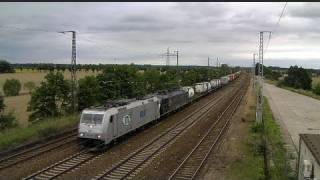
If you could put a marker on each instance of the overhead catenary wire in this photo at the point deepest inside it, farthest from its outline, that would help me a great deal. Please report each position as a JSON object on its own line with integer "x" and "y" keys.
{"x": 276, "y": 26}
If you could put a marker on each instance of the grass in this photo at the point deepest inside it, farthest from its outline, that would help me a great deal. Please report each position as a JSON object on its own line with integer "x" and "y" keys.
{"x": 18, "y": 105}
{"x": 251, "y": 164}
{"x": 279, "y": 157}
{"x": 15, "y": 136}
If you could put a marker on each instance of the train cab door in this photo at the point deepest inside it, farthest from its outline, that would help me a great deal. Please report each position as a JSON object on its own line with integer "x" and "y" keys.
{"x": 113, "y": 126}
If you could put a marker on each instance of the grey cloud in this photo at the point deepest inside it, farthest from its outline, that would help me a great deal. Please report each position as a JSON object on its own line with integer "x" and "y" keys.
{"x": 139, "y": 32}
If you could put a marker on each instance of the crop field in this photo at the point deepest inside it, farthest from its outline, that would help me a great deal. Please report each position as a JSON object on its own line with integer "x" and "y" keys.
{"x": 315, "y": 80}
{"x": 36, "y": 77}
{"x": 18, "y": 104}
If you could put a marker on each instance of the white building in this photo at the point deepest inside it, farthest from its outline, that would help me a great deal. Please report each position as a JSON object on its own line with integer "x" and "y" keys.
{"x": 309, "y": 157}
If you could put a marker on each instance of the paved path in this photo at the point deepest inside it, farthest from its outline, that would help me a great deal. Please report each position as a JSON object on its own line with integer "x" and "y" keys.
{"x": 295, "y": 112}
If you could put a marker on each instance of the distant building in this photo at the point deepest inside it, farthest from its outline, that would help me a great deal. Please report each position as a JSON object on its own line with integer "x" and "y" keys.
{"x": 309, "y": 157}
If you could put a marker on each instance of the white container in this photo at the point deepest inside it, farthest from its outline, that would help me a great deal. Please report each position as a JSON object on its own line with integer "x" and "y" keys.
{"x": 189, "y": 90}
{"x": 200, "y": 88}
{"x": 215, "y": 83}
{"x": 208, "y": 86}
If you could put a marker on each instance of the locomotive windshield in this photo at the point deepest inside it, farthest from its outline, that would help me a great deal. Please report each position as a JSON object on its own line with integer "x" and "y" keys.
{"x": 92, "y": 118}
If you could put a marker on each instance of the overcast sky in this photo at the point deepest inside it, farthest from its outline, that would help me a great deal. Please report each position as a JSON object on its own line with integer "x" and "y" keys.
{"x": 140, "y": 32}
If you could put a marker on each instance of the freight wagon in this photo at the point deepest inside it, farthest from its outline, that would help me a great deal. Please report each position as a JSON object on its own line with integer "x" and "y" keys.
{"x": 224, "y": 80}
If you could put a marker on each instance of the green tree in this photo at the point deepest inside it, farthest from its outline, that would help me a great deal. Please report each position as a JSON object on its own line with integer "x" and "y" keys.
{"x": 6, "y": 120}
{"x": 12, "y": 87}
{"x": 119, "y": 82}
{"x": 51, "y": 98}
{"x": 29, "y": 86}
{"x": 89, "y": 92}
{"x": 5, "y": 67}
{"x": 298, "y": 78}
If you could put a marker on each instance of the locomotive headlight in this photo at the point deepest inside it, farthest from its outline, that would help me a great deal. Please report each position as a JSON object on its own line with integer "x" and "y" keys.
{"x": 81, "y": 134}
{"x": 99, "y": 136}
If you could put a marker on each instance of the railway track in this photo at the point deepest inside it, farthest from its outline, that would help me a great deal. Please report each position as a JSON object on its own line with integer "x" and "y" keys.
{"x": 35, "y": 151}
{"x": 192, "y": 163}
{"x": 70, "y": 163}
{"x": 130, "y": 166}
{"x": 64, "y": 165}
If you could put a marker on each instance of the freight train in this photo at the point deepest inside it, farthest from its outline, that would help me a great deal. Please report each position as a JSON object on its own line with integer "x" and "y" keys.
{"x": 120, "y": 117}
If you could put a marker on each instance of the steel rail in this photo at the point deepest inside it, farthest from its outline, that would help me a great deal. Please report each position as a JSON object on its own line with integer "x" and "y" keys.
{"x": 35, "y": 151}
{"x": 202, "y": 141}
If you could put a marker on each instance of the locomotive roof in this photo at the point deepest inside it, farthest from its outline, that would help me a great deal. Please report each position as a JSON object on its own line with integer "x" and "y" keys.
{"x": 121, "y": 103}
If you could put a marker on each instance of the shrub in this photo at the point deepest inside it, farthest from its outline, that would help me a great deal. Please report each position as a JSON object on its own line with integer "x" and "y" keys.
{"x": 5, "y": 67}
{"x": 29, "y": 86}
{"x": 316, "y": 89}
{"x": 7, "y": 121}
{"x": 12, "y": 87}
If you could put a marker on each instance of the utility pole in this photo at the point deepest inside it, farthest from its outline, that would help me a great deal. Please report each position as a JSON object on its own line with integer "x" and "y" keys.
{"x": 73, "y": 70}
{"x": 177, "y": 54}
{"x": 208, "y": 62}
{"x": 168, "y": 57}
{"x": 217, "y": 62}
{"x": 254, "y": 70}
{"x": 259, "y": 113}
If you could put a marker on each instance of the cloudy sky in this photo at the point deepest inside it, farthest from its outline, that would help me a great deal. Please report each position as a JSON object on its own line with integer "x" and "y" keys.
{"x": 140, "y": 32}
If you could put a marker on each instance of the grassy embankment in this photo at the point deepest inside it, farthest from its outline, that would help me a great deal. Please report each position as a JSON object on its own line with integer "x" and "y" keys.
{"x": 299, "y": 91}
{"x": 15, "y": 136}
{"x": 251, "y": 164}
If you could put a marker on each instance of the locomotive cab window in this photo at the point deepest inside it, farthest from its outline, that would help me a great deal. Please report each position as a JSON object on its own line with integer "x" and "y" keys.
{"x": 86, "y": 118}
{"x": 97, "y": 118}
{"x": 92, "y": 118}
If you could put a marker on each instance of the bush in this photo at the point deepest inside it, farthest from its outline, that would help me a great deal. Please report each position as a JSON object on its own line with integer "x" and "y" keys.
{"x": 6, "y": 67}
{"x": 12, "y": 87}
{"x": 7, "y": 121}
{"x": 29, "y": 86}
{"x": 316, "y": 89}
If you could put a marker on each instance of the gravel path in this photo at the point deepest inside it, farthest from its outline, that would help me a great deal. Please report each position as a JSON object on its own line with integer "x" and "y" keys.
{"x": 295, "y": 112}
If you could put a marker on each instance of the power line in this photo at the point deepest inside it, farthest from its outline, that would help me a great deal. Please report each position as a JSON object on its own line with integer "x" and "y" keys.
{"x": 276, "y": 26}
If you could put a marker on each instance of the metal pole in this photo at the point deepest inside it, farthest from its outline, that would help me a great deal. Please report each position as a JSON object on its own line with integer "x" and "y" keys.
{"x": 74, "y": 70}
{"x": 254, "y": 70}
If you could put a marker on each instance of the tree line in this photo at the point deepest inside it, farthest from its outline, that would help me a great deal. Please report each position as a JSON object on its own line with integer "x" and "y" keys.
{"x": 53, "y": 96}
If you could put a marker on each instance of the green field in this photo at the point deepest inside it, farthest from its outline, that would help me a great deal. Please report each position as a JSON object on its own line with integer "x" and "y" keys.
{"x": 18, "y": 104}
